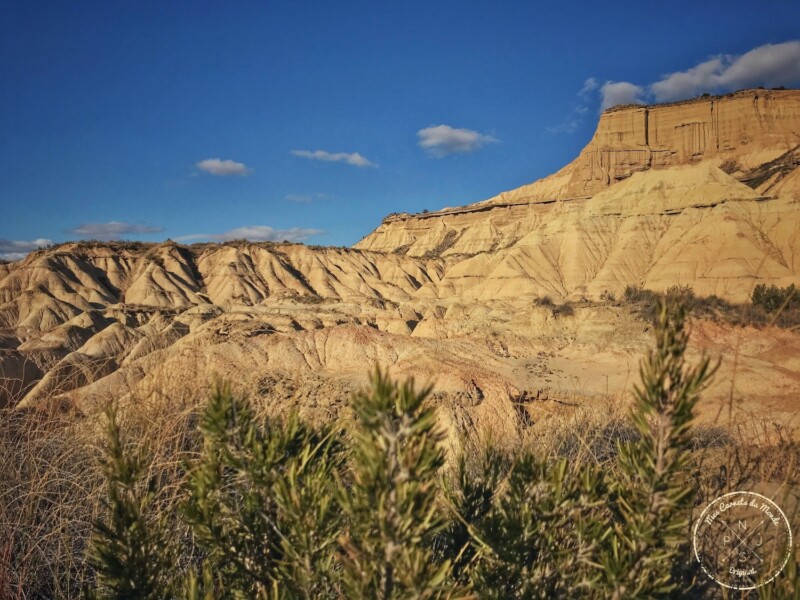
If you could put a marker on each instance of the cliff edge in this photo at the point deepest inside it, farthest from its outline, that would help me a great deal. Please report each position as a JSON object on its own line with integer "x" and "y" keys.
{"x": 703, "y": 193}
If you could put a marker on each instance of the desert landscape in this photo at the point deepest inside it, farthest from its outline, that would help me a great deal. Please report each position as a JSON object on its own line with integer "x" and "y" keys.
{"x": 239, "y": 359}
{"x": 511, "y": 307}
{"x": 528, "y": 313}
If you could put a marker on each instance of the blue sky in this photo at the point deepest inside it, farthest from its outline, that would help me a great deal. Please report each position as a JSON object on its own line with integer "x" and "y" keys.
{"x": 313, "y": 120}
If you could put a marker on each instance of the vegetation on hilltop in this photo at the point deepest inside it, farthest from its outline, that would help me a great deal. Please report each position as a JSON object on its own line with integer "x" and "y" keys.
{"x": 701, "y": 98}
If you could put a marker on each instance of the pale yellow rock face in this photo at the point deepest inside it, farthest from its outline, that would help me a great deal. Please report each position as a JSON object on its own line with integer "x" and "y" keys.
{"x": 750, "y": 127}
{"x": 305, "y": 335}
{"x": 703, "y": 193}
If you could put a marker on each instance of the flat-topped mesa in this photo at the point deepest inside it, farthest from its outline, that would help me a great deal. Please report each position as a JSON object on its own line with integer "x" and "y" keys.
{"x": 751, "y": 127}
{"x": 748, "y": 128}
{"x": 739, "y": 132}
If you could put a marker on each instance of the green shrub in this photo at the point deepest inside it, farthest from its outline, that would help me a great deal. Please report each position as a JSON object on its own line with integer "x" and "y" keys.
{"x": 770, "y": 305}
{"x": 730, "y": 166}
{"x": 635, "y": 293}
{"x": 563, "y": 310}
{"x": 132, "y": 556}
{"x": 555, "y": 531}
{"x": 631, "y": 293}
{"x": 653, "y": 496}
{"x": 281, "y": 509}
{"x": 607, "y": 296}
{"x": 680, "y": 294}
{"x": 773, "y": 298}
{"x": 392, "y": 509}
{"x": 261, "y": 502}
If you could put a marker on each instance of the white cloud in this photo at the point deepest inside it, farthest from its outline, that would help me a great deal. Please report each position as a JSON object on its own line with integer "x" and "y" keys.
{"x": 112, "y": 230}
{"x": 354, "y": 158}
{"x": 13, "y": 250}
{"x": 770, "y": 65}
{"x": 688, "y": 83}
{"x": 575, "y": 118}
{"x": 613, "y": 93}
{"x": 223, "y": 168}
{"x": 589, "y": 86}
{"x": 256, "y": 233}
{"x": 441, "y": 140}
{"x": 263, "y": 233}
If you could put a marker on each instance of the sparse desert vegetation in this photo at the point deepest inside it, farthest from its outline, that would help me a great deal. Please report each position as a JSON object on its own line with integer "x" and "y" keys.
{"x": 219, "y": 498}
{"x": 769, "y": 305}
{"x": 227, "y": 372}
{"x": 533, "y": 479}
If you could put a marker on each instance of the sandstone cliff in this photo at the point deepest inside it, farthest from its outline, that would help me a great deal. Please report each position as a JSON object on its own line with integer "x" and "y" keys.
{"x": 746, "y": 129}
{"x": 636, "y": 207}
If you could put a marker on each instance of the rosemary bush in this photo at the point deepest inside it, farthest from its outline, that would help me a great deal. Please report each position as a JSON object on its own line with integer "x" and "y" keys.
{"x": 282, "y": 509}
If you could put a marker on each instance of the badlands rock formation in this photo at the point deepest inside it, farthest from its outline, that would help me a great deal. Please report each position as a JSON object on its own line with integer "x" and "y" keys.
{"x": 703, "y": 193}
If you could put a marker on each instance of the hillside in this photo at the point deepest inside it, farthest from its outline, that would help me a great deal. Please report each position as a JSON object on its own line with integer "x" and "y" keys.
{"x": 703, "y": 193}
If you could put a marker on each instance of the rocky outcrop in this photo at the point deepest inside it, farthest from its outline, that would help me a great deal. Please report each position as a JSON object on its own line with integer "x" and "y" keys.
{"x": 703, "y": 193}
{"x": 300, "y": 327}
{"x": 747, "y": 128}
